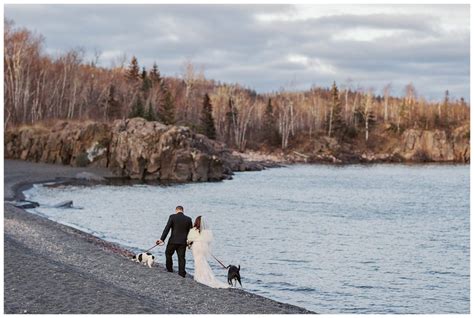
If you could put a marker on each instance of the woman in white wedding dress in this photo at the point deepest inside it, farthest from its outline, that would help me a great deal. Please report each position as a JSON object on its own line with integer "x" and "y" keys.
{"x": 200, "y": 239}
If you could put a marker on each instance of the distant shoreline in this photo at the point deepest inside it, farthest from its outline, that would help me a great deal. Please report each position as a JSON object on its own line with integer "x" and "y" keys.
{"x": 20, "y": 187}
{"x": 84, "y": 274}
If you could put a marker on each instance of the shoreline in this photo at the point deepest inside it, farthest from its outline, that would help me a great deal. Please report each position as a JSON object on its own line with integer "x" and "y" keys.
{"x": 86, "y": 274}
{"x": 17, "y": 189}
{"x": 272, "y": 160}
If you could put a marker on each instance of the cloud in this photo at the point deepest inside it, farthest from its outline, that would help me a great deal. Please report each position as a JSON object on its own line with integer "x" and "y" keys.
{"x": 269, "y": 46}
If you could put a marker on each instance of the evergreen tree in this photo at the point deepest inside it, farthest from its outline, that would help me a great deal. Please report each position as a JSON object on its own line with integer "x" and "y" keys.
{"x": 336, "y": 121}
{"x": 137, "y": 109}
{"x": 208, "y": 127}
{"x": 270, "y": 131}
{"x": 166, "y": 111}
{"x": 230, "y": 119}
{"x": 155, "y": 75}
{"x": 150, "y": 113}
{"x": 133, "y": 71}
{"x": 146, "y": 82}
{"x": 114, "y": 109}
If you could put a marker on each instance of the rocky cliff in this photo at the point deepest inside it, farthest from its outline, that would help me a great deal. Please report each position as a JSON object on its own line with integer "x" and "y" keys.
{"x": 131, "y": 148}
{"x": 435, "y": 145}
{"x": 145, "y": 150}
{"x": 413, "y": 145}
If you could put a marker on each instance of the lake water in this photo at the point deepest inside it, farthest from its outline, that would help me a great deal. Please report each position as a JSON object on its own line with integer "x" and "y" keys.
{"x": 352, "y": 239}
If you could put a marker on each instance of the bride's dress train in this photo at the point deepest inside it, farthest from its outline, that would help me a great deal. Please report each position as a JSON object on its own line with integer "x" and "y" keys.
{"x": 201, "y": 253}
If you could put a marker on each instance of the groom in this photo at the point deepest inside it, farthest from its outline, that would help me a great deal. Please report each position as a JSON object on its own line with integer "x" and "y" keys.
{"x": 180, "y": 225}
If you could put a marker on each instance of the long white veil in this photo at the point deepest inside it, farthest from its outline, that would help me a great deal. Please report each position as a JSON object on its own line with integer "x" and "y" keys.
{"x": 202, "y": 253}
{"x": 206, "y": 232}
{"x": 206, "y": 236}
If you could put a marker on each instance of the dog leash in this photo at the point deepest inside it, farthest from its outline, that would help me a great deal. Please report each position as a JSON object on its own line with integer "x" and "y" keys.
{"x": 153, "y": 247}
{"x": 223, "y": 266}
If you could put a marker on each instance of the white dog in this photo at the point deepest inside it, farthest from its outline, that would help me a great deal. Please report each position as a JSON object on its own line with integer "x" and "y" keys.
{"x": 144, "y": 258}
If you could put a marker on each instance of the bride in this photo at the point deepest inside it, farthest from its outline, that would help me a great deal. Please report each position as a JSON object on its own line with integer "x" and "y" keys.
{"x": 200, "y": 239}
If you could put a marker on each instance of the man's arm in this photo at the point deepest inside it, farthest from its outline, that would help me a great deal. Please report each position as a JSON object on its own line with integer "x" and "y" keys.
{"x": 166, "y": 230}
{"x": 190, "y": 225}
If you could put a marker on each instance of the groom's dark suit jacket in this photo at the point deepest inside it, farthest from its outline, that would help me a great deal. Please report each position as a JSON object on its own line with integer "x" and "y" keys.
{"x": 180, "y": 225}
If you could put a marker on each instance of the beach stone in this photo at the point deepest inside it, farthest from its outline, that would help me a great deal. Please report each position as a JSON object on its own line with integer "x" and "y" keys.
{"x": 89, "y": 176}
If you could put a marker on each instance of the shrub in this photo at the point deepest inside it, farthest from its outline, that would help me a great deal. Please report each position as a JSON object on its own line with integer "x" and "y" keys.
{"x": 351, "y": 133}
{"x": 82, "y": 160}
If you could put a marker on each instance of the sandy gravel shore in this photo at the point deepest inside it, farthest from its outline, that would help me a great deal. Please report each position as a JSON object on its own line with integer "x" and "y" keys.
{"x": 53, "y": 268}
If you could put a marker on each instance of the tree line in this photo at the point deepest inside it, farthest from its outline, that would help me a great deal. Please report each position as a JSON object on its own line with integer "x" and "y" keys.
{"x": 39, "y": 88}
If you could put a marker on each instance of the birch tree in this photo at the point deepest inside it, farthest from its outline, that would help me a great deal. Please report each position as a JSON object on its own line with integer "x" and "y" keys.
{"x": 285, "y": 119}
{"x": 386, "y": 95}
{"x": 242, "y": 107}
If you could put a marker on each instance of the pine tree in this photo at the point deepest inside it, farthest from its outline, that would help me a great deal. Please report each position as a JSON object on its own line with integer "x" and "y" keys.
{"x": 133, "y": 71}
{"x": 113, "y": 110}
{"x": 155, "y": 75}
{"x": 146, "y": 82}
{"x": 137, "y": 109}
{"x": 230, "y": 120}
{"x": 208, "y": 127}
{"x": 270, "y": 131}
{"x": 336, "y": 122}
{"x": 150, "y": 113}
{"x": 166, "y": 112}
{"x": 402, "y": 115}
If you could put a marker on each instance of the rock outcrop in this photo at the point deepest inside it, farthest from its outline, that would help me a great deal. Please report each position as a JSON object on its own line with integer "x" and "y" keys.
{"x": 414, "y": 145}
{"x": 64, "y": 143}
{"x": 435, "y": 145}
{"x": 151, "y": 150}
{"x": 145, "y": 150}
{"x": 132, "y": 148}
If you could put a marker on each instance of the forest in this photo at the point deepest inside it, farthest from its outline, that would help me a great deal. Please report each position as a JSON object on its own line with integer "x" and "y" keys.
{"x": 42, "y": 88}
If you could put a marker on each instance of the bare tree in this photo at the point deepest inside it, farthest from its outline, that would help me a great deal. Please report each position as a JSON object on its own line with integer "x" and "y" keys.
{"x": 242, "y": 109}
{"x": 285, "y": 119}
{"x": 367, "y": 113}
{"x": 386, "y": 95}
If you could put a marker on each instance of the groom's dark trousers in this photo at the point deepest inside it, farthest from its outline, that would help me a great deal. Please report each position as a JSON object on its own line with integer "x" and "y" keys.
{"x": 179, "y": 224}
{"x": 181, "y": 251}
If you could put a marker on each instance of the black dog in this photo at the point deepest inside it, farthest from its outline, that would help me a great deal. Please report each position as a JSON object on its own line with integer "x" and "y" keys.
{"x": 233, "y": 275}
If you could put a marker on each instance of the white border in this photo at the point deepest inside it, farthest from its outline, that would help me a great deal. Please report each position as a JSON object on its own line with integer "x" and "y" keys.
{"x": 17, "y": 2}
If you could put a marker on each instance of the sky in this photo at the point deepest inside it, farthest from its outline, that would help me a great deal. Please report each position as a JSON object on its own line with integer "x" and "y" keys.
{"x": 272, "y": 47}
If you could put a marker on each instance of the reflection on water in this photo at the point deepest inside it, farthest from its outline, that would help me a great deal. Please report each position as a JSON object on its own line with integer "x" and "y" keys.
{"x": 353, "y": 239}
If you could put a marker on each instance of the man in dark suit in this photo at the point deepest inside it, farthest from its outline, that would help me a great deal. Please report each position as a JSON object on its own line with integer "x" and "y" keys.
{"x": 180, "y": 225}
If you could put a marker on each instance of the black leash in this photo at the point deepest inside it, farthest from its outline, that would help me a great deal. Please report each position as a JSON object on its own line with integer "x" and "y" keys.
{"x": 153, "y": 247}
{"x": 223, "y": 266}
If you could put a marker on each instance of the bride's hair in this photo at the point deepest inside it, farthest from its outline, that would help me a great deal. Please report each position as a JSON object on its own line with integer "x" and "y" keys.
{"x": 197, "y": 223}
